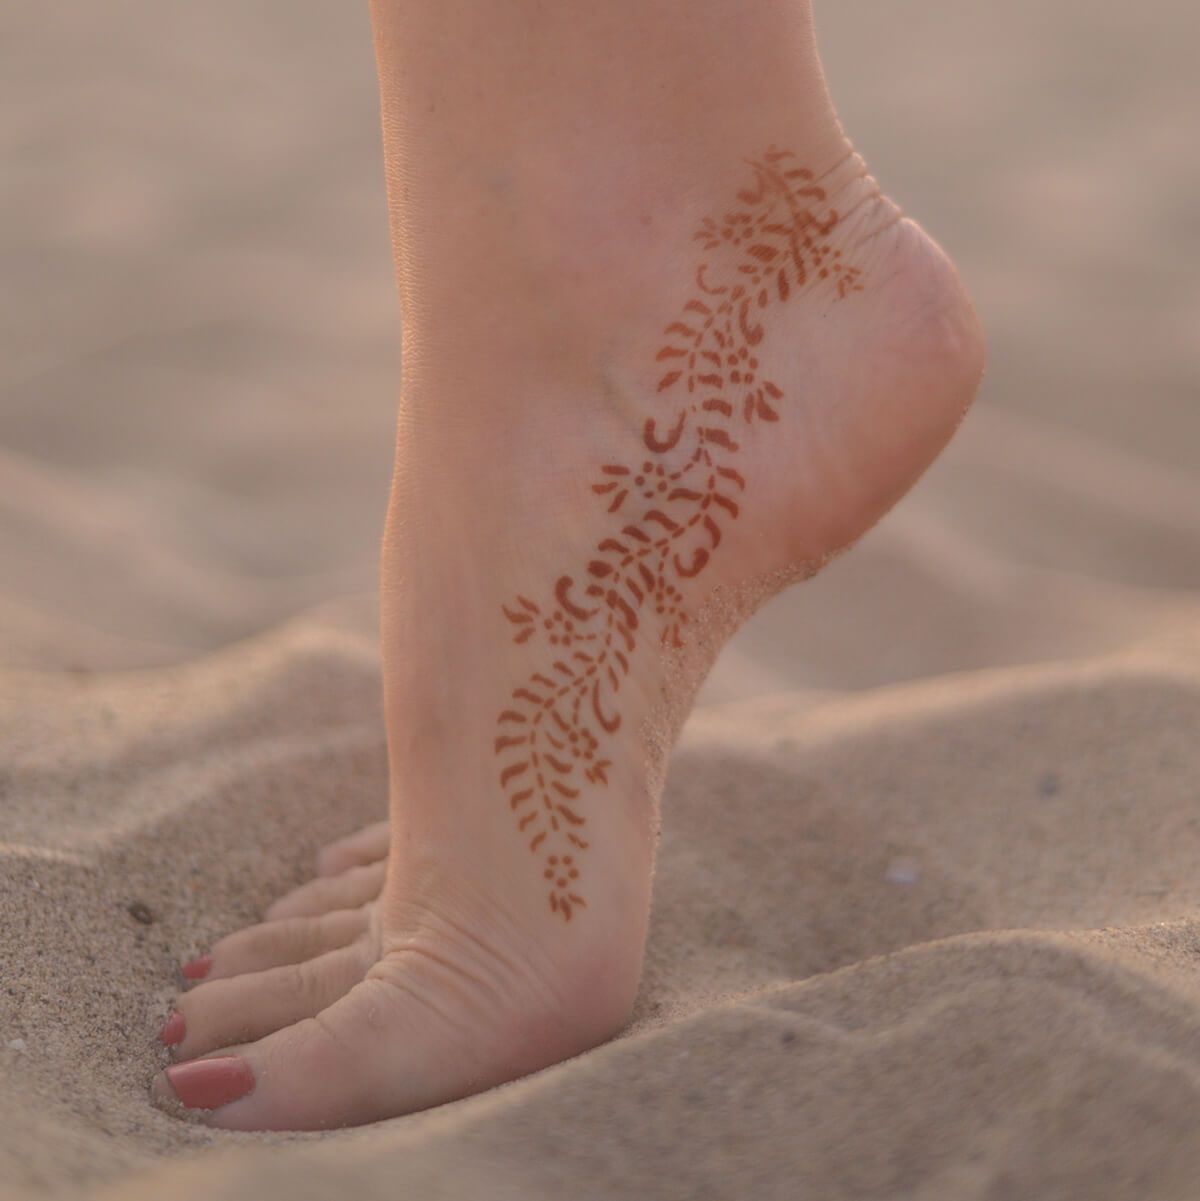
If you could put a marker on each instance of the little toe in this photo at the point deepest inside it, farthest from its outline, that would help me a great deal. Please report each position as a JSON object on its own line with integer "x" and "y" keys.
{"x": 219, "y": 1013}
{"x": 288, "y": 940}
{"x": 348, "y": 890}
{"x": 365, "y": 846}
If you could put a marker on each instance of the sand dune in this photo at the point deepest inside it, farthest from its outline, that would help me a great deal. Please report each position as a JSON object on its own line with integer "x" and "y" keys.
{"x": 933, "y": 934}
{"x": 925, "y": 910}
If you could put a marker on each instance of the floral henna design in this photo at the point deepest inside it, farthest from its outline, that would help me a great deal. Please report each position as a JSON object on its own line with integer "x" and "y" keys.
{"x": 672, "y": 507}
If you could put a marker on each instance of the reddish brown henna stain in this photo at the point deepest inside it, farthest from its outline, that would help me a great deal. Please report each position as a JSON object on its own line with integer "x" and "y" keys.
{"x": 551, "y": 737}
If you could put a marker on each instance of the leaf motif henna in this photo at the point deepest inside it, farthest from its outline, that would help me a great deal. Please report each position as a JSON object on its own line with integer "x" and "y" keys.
{"x": 658, "y": 446}
{"x": 560, "y": 594}
{"x": 550, "y": 733}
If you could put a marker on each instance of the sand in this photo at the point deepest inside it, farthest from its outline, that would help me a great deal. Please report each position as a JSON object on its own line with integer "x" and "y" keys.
{"x": 925, "y": 915}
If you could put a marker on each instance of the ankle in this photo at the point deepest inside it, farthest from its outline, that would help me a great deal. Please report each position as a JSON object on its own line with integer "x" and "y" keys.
{"x": 591, "y": 286}
{"x": 624, "y": 220}
{"x": 616, "y": 273}
{"x": 593, "y": 254}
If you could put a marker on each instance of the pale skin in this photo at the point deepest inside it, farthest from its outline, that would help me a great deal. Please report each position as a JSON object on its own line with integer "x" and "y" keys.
{"x": 666, "y": 347}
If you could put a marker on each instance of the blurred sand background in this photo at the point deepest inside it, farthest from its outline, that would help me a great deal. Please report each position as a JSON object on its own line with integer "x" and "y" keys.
{"x": 973, "y": 970}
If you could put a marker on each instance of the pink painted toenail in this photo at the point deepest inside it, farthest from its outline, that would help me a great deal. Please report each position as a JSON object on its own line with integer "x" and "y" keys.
{"x": 173, "y": 1029}
{"x": 198, "y": 968}
{"x": 210, "y": 1083}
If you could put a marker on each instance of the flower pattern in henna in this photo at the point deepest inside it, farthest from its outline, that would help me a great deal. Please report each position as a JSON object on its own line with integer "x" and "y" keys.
{"x": 669, "y": 512}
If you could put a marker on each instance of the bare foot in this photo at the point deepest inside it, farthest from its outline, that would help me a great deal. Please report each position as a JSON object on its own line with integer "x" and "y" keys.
{"x": 561, "y": 566}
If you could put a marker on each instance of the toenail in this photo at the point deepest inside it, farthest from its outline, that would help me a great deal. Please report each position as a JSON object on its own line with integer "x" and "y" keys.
{"x": 198, "y": 968}
{"x": 173, "y": 1029}
{"x": 210, "y": 1083}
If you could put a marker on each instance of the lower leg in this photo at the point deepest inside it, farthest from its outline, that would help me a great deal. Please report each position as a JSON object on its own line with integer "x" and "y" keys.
{"x": 666, "y": 347}
{"x": 526, "y": 143}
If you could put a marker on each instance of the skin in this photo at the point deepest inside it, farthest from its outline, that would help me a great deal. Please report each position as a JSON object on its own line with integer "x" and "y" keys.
{"x": 556, "y": 733}
{"x": 604, "y": 449}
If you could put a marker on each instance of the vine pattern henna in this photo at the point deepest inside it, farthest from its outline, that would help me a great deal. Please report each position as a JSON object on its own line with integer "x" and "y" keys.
{"x": 670, "y": 511}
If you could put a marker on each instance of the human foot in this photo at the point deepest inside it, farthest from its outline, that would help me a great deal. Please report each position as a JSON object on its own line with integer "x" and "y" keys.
{"x": 557, "y": 579}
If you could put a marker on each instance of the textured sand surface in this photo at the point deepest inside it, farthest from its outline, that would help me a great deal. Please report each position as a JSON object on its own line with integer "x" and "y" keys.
{"x": 925, "y": 917}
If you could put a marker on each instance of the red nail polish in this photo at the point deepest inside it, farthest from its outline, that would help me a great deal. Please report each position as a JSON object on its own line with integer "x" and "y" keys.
{"x": 198, "y": 968}
{"x": 211, "y": 1083}
{"x": 173, "y": 1029}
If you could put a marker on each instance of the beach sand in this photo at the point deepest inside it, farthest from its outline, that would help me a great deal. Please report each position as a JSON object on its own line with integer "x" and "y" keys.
{"x": 925, "y": 911}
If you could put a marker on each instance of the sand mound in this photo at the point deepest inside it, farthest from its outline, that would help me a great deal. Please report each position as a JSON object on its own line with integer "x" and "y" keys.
{"x": 918, "y": 938}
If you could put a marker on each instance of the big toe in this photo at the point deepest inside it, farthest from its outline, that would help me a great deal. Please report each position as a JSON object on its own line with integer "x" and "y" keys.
{"x": 333, "y": 1069}
{"x": 385, "y": 1048}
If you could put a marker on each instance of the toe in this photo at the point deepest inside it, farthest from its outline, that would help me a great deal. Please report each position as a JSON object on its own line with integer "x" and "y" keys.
{"x": 348, "y": 890}
{"x": 365, "y": 846}
{"x": 289, "y": 940}
{"x": 320, "y": 1073}
{"x": 219, "y": 1013}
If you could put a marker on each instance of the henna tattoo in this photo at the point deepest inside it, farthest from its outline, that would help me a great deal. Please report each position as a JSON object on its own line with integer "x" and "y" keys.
{"x": 671, "y": 509}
